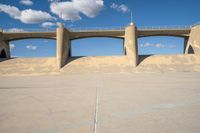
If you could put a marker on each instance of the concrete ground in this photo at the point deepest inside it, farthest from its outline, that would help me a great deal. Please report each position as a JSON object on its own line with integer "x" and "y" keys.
{"x": 101, "y": 103}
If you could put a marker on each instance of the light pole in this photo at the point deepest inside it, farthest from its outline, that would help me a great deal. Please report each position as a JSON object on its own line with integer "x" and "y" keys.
{"x": 132, "y": 23}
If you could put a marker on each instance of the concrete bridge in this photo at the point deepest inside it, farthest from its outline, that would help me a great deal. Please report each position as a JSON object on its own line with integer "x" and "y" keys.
{"x": 130, "y": 34}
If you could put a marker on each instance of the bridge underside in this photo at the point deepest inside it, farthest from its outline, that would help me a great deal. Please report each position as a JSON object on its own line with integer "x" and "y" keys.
{"x": 29, "y": 35}
{"x": 176, "y": 33}
{"x": 89, "y": 34}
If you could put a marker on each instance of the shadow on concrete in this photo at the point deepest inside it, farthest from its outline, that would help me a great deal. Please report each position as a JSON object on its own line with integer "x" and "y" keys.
{"x": 5, "y": 59}
{"x": 190, "y": 50}
{"x": 3, "y": 54}
{"x": 71, "y": 59}
{"x": 142, "y": 58}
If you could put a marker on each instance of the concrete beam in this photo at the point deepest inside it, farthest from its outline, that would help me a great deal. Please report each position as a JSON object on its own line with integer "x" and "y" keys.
{"x": 130, "y": 44}
{"x": 164, "y": 32}
{"x": 29, "y": 35}
{"x": 63, "y": 45}
{"x": 103, "y": 33}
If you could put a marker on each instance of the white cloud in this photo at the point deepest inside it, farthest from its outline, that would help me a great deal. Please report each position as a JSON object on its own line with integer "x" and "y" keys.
{"x": 10, "y": 10}
{"x": 53, "y": 0}
{"x": 30, "y": 16}
{"x": 70, "y": 10}
{"x": 31, "y": 47}
{"x": 26, "y": 2}
{"x": 157, "y": 45}
{"x": 48, "y": 24}
{"x": 65, "y": 10}
{"x": 120, "y": 8}
{"x": 12, "y": 46}
{"x": 90, "y": 8}
{"x": 27, "y": 16}
{"x": 15, "y": 30}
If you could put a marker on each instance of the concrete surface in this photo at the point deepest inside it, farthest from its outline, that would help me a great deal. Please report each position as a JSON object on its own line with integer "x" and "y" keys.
{"x": 193, "y": 45}
{"x": 127, "y": 103}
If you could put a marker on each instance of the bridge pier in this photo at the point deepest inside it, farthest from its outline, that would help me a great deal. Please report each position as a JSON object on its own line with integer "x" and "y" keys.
{"x": 130, "y": 44}
{"x": 4, "y": 47}
{"x": 63, "y": 45}
{"x": 185, "y": 44}
{"x": 193, "y": 45}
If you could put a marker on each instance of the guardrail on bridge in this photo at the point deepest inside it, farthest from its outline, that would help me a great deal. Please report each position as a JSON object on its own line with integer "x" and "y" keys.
{"x": 85, "y": 29}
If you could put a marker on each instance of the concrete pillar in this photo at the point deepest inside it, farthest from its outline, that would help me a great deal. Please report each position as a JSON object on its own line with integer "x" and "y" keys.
{"x": 4, "y": 46}
{"x": 185, "y": 44}
{"x": 63, "y": 45}
{"x": 193, "y": 45}
{"x": 130, "y": 44}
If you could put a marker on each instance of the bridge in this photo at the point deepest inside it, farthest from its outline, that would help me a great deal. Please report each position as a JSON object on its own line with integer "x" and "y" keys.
{"x": 130, "y": 34}
{"x": 28, "y": 35}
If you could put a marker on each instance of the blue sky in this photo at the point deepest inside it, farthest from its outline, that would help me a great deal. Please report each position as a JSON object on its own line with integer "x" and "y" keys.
{"x": 36, "y": 14}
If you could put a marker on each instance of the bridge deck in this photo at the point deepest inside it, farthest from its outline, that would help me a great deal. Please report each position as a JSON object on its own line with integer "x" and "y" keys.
{"x": 114, "y": 33}
{"x": 164, "y": 32}
{"x": 10, "y": 36}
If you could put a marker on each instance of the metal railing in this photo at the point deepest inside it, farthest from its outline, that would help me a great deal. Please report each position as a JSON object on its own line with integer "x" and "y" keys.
{"x": 164, "y": 27}
{"x": 79, "y": 29}
{"x": 16, "y": 30}
{"x": 195, "y": 24}
{"x": 85, "y": 29}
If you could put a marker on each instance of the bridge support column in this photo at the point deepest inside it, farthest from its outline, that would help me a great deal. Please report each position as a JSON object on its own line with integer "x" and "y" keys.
{"x": 4, "y": 48}
{"x": 63, "y": 45}
{"x": 193, "y": 45}
{"x": 185, "y": 44}
{"x": 130, "y": 44}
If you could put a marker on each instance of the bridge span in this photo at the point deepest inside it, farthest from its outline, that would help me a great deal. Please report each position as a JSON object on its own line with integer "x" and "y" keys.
{"x": 130, "y": 34}
{"x": 28, "y": 35}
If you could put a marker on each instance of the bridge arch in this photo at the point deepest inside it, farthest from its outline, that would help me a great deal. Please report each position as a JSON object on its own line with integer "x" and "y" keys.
{"x": 29, "y": 35}
{"x": 164, "y": 32}
{"x": 95, "y": 36}
{"x": 97, "y": 46}
{"x": 163, "y": 35}
{"x": 27, "y": 38}
{"x": 150, "y": 45}
{"x": 33, "y": 47}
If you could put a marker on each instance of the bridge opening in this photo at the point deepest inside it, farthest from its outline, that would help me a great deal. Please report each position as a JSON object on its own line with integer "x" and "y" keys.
{"x": 3, "y": 54}
{"x": 98, "y": 46}
{"x": 160, "y": 45}
{"x": 29, "y": 48}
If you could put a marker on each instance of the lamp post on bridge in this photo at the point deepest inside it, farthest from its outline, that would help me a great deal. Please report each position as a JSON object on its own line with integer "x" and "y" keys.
{"x": 132, "y": 23}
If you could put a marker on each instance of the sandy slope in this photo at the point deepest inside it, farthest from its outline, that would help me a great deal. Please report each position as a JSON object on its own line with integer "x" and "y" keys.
{"x": 112, "y": 64}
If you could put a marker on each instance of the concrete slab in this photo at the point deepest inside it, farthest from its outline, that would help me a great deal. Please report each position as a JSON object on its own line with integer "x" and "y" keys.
{"x": 139, "y": 103}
